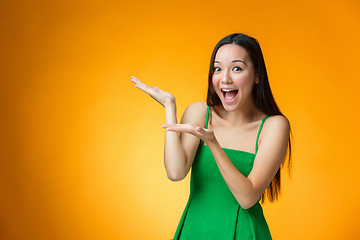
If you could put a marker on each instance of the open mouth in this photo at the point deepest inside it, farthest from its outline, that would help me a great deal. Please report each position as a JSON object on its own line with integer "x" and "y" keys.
{"x": 229, "y": 94}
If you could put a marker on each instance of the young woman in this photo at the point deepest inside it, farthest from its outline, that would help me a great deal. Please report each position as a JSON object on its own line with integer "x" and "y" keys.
{"x": 235, "y": 144}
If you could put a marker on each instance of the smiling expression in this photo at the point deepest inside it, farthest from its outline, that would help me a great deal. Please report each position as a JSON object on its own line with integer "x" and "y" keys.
{"x": 234, "y": 76}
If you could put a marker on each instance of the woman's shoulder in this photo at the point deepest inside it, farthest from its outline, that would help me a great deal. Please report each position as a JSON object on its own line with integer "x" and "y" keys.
{"x": 195, "y": 113}
{"x": 277, "y": 120}
{"x": 276, "y": 127}
{"x": 198, "y": 106}
{"x": 276, "y": 123}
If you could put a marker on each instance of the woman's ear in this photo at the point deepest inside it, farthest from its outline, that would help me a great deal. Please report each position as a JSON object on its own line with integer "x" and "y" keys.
{"x": 256, "y": 79}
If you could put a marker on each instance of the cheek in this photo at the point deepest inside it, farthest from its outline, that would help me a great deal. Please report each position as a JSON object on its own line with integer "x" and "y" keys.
{"x": 215, "y": 81}
{"x": 242, "y": 81}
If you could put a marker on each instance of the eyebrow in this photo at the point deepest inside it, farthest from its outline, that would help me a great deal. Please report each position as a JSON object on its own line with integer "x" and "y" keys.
{"x": 233, "y": 61}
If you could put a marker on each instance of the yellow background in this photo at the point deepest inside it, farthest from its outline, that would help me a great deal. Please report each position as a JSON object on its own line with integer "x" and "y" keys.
{"x": 82, "y": 148}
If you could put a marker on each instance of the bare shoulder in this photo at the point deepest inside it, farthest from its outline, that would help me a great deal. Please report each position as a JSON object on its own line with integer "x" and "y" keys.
{"x": 278, "y": 120}
{"x": 274, "y": 137}
{"x": 195, "y": 113}
{"x": 275, "y": 125}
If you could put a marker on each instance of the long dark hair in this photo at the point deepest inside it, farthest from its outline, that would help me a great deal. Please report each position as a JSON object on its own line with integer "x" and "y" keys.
{"x": 262, "y": 95}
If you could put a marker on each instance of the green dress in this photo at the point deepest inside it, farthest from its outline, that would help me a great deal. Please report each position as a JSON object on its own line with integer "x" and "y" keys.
{"x": 212, "y": 212}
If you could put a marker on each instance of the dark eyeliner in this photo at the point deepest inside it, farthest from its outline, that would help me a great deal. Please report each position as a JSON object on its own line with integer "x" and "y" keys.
{"x": 239, "y": 68}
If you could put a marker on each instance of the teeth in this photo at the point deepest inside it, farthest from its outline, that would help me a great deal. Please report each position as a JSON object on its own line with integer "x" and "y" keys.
{"x": 228, "y": 90}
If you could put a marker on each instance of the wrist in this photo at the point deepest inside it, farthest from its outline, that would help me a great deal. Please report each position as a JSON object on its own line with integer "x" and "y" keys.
{"x": 212, "y": 142}
{"x": 170, "y": 104}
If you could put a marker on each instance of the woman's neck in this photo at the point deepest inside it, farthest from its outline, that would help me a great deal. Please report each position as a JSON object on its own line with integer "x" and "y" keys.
{"x": 240, "y": 116}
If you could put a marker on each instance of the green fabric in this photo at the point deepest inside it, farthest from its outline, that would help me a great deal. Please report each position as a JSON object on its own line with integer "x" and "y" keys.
{"x": 212, "y": 211}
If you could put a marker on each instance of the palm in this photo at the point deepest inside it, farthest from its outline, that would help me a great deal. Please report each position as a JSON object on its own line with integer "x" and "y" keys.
{"x": 156, "y": 93}
{"x": 202, "y": 133}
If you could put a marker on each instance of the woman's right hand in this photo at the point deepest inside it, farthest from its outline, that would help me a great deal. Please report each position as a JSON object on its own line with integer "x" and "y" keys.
{"x": 162, "y": 97}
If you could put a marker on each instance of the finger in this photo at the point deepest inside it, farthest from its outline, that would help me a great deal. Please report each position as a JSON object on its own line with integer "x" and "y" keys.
{"x": 137, "y": 81}
{"x": 141, "y": 87}
{"x": 152, "y": 91}
{"x": 176, "y": 129}
{"x": 167, "y": 125}
{"x": 134, "y": 79}
{"x": 205, "y": 131}
{"x": 186, "y": 128}
{"x": 172, "y": 130}
{"x": 145, "y": 88}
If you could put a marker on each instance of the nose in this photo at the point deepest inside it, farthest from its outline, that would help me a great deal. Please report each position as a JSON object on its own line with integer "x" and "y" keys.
{"x": 226, "y": 78}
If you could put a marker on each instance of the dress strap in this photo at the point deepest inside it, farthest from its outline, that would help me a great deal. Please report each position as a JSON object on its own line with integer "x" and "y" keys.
{"x": 206, "y": 122}
{"x": 207, "y": 116}
{"x": 257, "y": 138}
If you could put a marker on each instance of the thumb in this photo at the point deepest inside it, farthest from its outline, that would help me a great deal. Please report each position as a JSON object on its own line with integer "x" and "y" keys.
{"x": 165, "y": 125}
{"x": 200, "y": 130}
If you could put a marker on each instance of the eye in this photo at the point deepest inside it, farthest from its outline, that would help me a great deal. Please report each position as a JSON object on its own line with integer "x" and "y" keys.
{"x": 237, "y": 68}
{"x": 216, "y": 69}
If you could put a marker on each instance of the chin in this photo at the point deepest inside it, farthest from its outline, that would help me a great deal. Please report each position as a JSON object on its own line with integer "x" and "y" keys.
{"x": 229, "y": 108}
{"x": 232, "y": 109}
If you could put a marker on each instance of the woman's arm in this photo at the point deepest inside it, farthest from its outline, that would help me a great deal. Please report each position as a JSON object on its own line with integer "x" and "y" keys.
{"x": 175, "y": 161}
{"x": 271, "y": 152}
{"x": 269, "y": 157}
{"x": 179, "y": 151}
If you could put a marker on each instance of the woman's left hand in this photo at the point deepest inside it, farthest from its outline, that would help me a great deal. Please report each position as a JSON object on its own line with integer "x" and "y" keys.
{"x": 204, "y": 134}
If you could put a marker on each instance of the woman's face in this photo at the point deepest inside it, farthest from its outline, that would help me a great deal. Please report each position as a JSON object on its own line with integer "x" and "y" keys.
{"x": 234, "y": 76}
